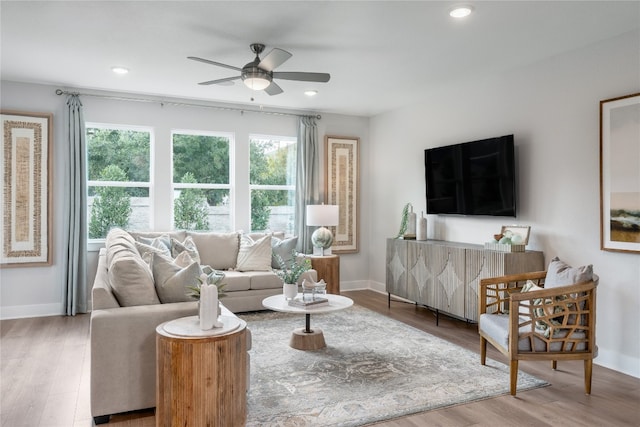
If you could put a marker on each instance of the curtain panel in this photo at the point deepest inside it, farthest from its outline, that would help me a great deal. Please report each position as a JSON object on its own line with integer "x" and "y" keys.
{"x": 307, "y": 179}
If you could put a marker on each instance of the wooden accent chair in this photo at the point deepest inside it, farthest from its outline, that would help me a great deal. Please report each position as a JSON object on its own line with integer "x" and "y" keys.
{"x": 538, "y": 324}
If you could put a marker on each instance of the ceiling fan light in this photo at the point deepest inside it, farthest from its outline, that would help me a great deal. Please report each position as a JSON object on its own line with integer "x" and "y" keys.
{"x": 311, "y": 92}
{"x": 256, "y": 83}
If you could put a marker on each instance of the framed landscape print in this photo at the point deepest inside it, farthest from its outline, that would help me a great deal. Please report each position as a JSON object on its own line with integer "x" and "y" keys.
{"x": 26, "y": 163}
{"x": 342, "y": 174}
{"x": 620, "y": 174}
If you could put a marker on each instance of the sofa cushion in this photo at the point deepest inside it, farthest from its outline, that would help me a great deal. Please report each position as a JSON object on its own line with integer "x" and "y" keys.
{"x": 141, "y": 236}
{"x": 284, "y": 248}
{"x": 254, "y": 255}
{"x": 218, "y": 250}
{"x": 129, "y": 276}
{"x": 236, "y": 281}
{"x": 264, "y": 280}
{"x": 560, "y": 273}
{"x": 178, "y": 247}
{"x": 172, "y": 280}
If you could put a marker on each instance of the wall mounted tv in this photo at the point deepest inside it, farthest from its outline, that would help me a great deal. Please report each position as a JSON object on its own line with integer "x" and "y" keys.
{"x": 472, "y": 178}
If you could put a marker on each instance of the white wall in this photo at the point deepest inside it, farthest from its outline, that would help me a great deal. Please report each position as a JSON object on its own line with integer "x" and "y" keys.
{"x": 552, "y": 108}
{"x": 38, "y": 291}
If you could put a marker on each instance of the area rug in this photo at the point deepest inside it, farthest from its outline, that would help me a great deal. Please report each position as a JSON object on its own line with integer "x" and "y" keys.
{"x": 374, "y": 368}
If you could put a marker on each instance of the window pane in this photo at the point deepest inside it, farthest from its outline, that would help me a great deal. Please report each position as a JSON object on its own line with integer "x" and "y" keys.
{"x": 199, "y": 209}
{"x": 125, "y": 207}
{"x": 273, "y": 162}
{"x": 273, "y": 210}
{"x": 202, "y": 159}
{"x": 129, "y": 150}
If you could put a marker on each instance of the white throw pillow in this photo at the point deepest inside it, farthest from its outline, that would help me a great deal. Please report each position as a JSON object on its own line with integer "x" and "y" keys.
{"x": 188, "y": 245}
{"x": 254, "y": 255}
{"x": 284, "y": 248}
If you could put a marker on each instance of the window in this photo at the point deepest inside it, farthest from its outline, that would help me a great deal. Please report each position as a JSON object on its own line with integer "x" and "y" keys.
{"x": 201, "y": 181}
{"x": 272, "y": 179}
{"x": 118, "y": 169}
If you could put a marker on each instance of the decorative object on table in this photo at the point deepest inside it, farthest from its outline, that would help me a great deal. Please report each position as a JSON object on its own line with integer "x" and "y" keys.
{"x": 512, "y": 238}
{"x": 620, "y": 174}
{"x": 421, "y": 233}
{"x": 307, "y": 303}
{"x": 404, "y": 220}
{"x": 342, "y": 188}
{"x": 290, "y": 290}
{"x": 290, "y": 271}
{"x": 209, "y": 307}
{"x": 411, "y": 225}
{"x": 214, "y": 278}
{"x": 312, "y": 291}
{"x": 27, "y": 171}
{"x": 322, "y": 216}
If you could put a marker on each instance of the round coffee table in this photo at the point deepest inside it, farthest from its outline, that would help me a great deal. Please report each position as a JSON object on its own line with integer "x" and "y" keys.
{"x": 307, "y": 338}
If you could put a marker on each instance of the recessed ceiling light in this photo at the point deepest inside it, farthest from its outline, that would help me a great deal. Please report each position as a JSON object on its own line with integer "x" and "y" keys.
{"x": 311, "y": 92}
{"x": 120, "y": 70}
{"x": 461, "y": 11}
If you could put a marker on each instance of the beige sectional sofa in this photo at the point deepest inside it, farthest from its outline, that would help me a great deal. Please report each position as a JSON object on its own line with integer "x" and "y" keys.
{"x": 140, "y": 283}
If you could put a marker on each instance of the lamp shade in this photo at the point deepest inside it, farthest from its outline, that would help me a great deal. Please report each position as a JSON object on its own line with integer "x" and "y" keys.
{"x": 322, "y": 215}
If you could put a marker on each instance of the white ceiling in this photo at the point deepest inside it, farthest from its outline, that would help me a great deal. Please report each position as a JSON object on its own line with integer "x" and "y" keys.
{"x": 381, "y": 55}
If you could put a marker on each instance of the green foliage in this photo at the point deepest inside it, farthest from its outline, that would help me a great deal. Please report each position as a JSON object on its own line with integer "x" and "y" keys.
{"x": 404, "y": 220}
{"x": 111, "y": 205}
{"x": 191, "y": 210}
{"x": 215, "y": 278}
{"x": 128, "y": 149}
{"x": 205, "y": 157}
{"x": 290, "y": 273}
{"x": 260, "y": 210}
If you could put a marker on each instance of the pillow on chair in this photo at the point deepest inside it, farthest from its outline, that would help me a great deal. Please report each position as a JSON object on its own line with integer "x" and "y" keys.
{"x": 560, "y": 273}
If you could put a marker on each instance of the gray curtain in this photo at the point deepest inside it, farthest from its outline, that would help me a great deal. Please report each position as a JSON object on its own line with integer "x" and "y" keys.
{"x": 307, "y": 181}
{"x": 74, "y": 233}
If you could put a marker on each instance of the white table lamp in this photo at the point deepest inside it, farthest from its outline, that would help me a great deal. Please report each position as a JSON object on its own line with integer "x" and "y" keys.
{"x": 323, "y": 216}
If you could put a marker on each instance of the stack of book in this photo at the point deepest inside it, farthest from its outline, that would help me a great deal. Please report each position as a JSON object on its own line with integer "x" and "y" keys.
{"x": 317, "y": 302}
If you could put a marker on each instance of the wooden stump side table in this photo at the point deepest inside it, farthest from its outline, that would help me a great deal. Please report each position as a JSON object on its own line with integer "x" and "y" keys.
{"x": 201, "y": 380}
{"x": 328, "y": 268}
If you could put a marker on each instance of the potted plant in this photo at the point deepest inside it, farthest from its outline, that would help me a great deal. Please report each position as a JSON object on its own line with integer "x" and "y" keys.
{"x": 290, "y": 272}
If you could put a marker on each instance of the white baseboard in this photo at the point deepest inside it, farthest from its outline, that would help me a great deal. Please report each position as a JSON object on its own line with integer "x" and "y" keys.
{"x": 618, "y": 362}
{"x": 38, "y": 310}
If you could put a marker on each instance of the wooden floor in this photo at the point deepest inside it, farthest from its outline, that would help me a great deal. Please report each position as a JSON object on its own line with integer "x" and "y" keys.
{"x": 44, "y": 380}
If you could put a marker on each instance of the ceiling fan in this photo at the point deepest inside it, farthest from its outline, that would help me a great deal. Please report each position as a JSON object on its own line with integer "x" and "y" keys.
{"x": 258, "y": 74}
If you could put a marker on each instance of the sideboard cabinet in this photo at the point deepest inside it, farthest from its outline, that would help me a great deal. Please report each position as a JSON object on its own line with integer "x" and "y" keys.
{"x": 445, "y": 276}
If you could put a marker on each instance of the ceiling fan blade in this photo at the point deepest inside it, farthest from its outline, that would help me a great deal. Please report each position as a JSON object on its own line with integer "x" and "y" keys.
{"x": 219, "y": 64}
{"x": 304, "y": 77}
{"x": 274, "y": 59}
{"x": 224, "y": 81}
{"x": 273, "y": 89}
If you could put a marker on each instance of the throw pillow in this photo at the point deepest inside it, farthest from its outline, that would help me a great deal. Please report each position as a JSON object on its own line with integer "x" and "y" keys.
{"x": 154, "y": 246}
{"x": 284, "y": 248}
{"x": 157, "y": 242}
{"x": 219, "y": 250}
{"x": 171, "y": 280}
{"x": 542, "y": 308}
{"x": 254, "y": 255}
{"x": 131, "y": 280}
{"x": 560, "y": 273}
{"x": 188, "y": 245}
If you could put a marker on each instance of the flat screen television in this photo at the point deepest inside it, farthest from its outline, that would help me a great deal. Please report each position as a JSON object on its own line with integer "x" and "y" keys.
{"x": 472, "y": 178}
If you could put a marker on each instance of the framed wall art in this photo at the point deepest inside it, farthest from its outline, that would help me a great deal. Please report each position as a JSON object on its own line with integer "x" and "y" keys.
{"x": 26, "y": 162}
{"x": 342, "y": 188}
{"x": 620, "y": 174}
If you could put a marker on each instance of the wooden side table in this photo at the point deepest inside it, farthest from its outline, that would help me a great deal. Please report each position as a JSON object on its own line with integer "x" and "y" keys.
{"x": 328, "y": 268}
{"x": 201, "y": 380}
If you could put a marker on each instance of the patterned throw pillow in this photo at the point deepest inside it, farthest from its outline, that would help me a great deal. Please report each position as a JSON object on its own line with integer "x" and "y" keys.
{"x": 188, "y": 245}
{"x": 543, "y": 308}
{"x": 254, "y": 255}
{"x": 284, "y": 248}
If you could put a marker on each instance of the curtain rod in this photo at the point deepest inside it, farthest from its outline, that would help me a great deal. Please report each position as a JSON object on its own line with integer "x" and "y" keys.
{"x": 185, "y": 104}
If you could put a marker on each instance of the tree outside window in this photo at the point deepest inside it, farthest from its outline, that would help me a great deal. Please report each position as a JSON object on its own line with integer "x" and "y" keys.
{"x": 118, "y": 165}
{"x": 272, "y": 178}
{"x": 201, "y": 180}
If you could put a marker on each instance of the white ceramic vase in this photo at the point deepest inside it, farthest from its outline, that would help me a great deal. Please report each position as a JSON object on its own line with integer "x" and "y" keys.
{"x": 290, "y": 290}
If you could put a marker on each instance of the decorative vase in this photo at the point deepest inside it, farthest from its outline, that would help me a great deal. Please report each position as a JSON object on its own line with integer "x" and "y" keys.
{"x": 290, "y": 290}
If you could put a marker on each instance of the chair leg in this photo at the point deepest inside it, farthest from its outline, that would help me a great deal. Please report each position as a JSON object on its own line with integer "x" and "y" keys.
{"x": 554, "y": 364}
{"x": 513, "y": 376}
{"x": 483, "y": 351}
{"x": 588, "y": 368}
